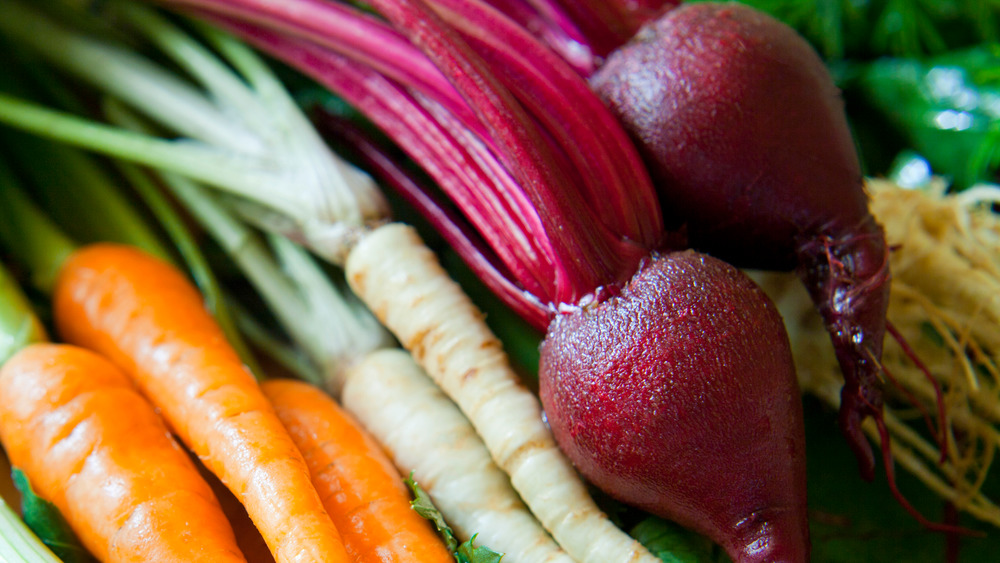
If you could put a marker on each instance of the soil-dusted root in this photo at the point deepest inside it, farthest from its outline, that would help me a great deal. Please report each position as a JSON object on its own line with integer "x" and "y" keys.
{"x": 150, "y": 320}
{"x": 403, "y": 283}
{"x": 678, "y": 395}
{"x": 361, "y": 489}
{"x": 93, "y": 446}
{"x": 427, "y": 435}
{"x": 744, "y": 132}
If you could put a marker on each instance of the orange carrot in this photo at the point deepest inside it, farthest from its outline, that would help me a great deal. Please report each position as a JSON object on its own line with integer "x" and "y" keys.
{"x": 148, "y": 318}
{"x": 361, "y": 489}
{"x": 93, "y": 446}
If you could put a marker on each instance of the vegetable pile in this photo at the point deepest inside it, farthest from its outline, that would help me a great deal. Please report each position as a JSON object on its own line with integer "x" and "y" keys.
{"x": 536, "y": 208}
{"x": 604, "y": 168}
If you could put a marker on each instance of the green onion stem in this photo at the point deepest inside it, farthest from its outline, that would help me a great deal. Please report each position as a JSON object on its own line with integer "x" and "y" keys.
{"x": 332, "y": 330}
{"x": 246, "y": 249}
{"x": 220, "y": 81}
{"x": 283, "y": 353}
{"x": 243, "y": 134}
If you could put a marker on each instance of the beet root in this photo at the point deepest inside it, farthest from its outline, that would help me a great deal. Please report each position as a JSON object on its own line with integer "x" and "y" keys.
{"x": 745, "y": 135}
{"x": 678, "y": 396}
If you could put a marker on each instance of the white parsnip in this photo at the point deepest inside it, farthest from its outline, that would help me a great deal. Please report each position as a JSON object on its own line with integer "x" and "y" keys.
{"x": 425, "y": 434}
{"x": 403, "y": 283}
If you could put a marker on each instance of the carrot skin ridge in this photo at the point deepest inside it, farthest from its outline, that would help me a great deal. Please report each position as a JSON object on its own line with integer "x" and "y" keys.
{"x": 93, "y": 446}
{"x": 360, "y": 487}
{"x": 148, "y": 318}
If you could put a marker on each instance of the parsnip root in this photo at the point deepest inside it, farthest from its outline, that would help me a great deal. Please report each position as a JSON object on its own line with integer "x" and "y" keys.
{"x": 425, "y": 434}
{"x": 403, "y": 283}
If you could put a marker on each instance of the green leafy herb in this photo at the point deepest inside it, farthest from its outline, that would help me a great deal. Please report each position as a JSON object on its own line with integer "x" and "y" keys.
{"x": 944, "y": 108}
{"x": 48, "y": 524}
{"x": 867, "y": 29}
{"x": 466, "y": 552}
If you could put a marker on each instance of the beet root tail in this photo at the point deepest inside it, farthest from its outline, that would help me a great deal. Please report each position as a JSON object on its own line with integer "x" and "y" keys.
{"x": 848, "y": 279}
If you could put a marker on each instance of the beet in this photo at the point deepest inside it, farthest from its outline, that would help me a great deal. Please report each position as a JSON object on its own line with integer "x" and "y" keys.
{"x": 678, "y": 396}
{"x": 744, "y": 133}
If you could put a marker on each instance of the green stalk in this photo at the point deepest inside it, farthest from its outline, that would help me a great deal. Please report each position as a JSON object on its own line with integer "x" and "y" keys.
{"x": 126, "y": 75}
{"x": 30, "y": 236}
{"x": 67, "y": 182}
{"x": 18, "y": 324}
{"x": 216, "y": 77}
{"x": 244, "y": 134}
{"x": 283, "y": 353}
{"x": 226, "y": 170}
{"x": 331, "y": 330}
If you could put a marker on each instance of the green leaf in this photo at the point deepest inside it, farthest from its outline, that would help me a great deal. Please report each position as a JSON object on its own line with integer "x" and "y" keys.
{"x": 424, "y": 506}
{"x": 674, "y": 544}
{"x": 943, "y": 107}
{"x": 467, "y": 552}
{"x": 48, "y": 524}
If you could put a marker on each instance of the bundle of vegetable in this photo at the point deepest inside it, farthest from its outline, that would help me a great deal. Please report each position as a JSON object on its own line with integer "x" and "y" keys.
{"x": 745, "y": 136}
{"x": 422, "y": 430}
{"x": 945, "y": 302}
{"x": 569, "y": 509}
{"x": 776, "y": 188}
{"x": 118, "y": 485}
{"x": 147, "y": 318}
{"x": 540, "y": 170}
{"x": 93, "y": 446}
{"x": 361, "y": 490}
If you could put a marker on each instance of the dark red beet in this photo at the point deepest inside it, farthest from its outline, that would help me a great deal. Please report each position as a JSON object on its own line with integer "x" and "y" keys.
{"x": 745, "y": 135}
{"x": 679, "y": 396}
